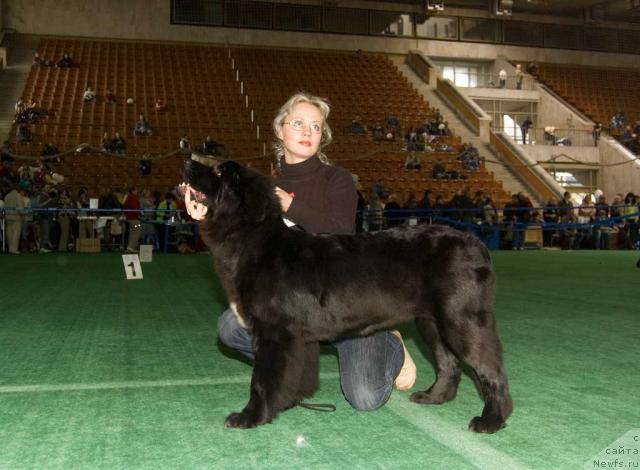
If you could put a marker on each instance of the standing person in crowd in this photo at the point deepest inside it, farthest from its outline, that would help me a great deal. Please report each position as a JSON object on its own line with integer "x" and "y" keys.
{"x": 519, "y": 77}
{"x": 131, "y": 208}
{"x": 322, "y": 198}
{"x": 595, "y": 133}
{"x": 15, "y": 199}
{"x": 502, "y": 76}
{"x": 524, "y": 127}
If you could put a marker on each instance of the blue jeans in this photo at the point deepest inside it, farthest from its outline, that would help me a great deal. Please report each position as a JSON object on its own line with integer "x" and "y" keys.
{"x": 368, "y": 365}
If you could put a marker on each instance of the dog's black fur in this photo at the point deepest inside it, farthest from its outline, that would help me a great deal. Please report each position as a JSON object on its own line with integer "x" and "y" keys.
{"x": 294, "y": 289}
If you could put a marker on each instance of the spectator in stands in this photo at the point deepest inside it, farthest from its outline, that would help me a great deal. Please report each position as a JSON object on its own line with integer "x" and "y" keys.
{"x": 132, "y": 213}
{"x": 379, "y": 189}
{"x": 23, "y": 134}
{"x": 550, "y": 215}
{"x": 502, "y": 77}
{"x": 618, "y": 120}
{"x": 375, "y": 213}
{"x": 439, "y": 171}
{"x": 89, "y": 95}
{"x": 166, "y": 208}
{"x": 44, "y": 200}
{"x": 160, "y": 105}
{"x": 524, "y": 214}
{"x": 357, "y": 127}
{"x": 470, "y": 157}
{"x": 524, "y": 128}
{"x": 565, "y": 206}
{"x": 600, "y": 231}
{"x": 443, "y": 127}
{"x": 465, "y": 208}
{"x": 66, "y": 61}
{"x": 519, "y": 77}
{"x": 627, "y": 137}
{"x": 36, "y": 61}
{"x": 19, "y": 106}
{"x": 412, "y": 162}
{"x": 631, "y": 221}
{"x": 393, "y": 123}
{"x": 109, "y": 97}
{"x": 378, "y": 132}
{"x": 185, "y": 145}
{"x": 142, "y": 127}
{"x": 393, "y": 213}
{"x": 595, "y": 133}
{"x": 14, "y": 199}
{"x": 64, "y": 217}
{"x": 586, "y": 216}
{"x": 118, "y": 144}
{"x": 533, "y": 68}
{"x": 107, "y": 143}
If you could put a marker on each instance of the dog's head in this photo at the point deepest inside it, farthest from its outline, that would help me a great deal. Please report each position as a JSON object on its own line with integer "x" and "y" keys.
{"x": 231, "y": 190}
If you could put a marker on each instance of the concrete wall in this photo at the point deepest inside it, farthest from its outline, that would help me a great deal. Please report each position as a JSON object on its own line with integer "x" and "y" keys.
{"x": 150, "y": 20}
{"x": 540, "y": 153}
{"x": 619, "y": 178}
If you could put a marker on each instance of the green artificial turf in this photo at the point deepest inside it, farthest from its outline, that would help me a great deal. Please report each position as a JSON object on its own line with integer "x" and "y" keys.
{"x": 100, "y": 372}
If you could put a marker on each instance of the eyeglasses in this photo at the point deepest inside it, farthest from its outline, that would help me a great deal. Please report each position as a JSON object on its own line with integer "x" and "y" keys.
{"x": 300, "y": 125}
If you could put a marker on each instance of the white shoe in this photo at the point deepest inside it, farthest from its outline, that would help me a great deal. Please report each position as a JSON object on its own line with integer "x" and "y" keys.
{"x": 407, "y": 376}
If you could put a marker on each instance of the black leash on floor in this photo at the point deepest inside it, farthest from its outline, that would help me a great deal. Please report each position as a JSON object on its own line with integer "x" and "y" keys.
{"x": 324, "y": 407}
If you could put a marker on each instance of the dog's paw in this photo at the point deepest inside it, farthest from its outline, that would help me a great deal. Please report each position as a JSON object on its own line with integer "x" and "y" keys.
{"x": 242, "y": 420}
{"x": 479, "y": 424}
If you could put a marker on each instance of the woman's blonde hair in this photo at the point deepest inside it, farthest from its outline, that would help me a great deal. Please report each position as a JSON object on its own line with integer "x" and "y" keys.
{"x": 285, "y": 110}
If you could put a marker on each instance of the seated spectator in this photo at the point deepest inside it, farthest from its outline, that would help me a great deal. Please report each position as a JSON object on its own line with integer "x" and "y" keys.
{"x": 109, "y": 97}
{"x": 19, "y": 107}
{"x": 185, "y": 145}
{"x": 160, "y": 105}
{"x": 379, "y": 189}
{"x": 23, "y": 134}
{"x": 627, "y": 136}
{"x": 412, "y": 162}
{"x": 106, "y": 143}
{"x": 393, "y": 212}
{"x": 357, "y": 127}
{"x": 118, "y": 144}
{"x": 142, "y": 127}
{"x": 470, "y": 157}
{"x": 89, "y": 94}
{"x": 378, "y": 132}
{"x": 439, "y": 171}
{"x": 66, "y": 61}
{"x": 443, "y": 127}
{"x": 392, "y": 122}
{"x": 550, "y": 216}
{"x": 390, "y": 133}
{"x": 533, "y": 68}
{"x": 36, "y": 61}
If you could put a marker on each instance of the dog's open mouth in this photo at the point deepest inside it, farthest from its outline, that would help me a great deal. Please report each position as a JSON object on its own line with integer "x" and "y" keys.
{"x": 196, "y": 196}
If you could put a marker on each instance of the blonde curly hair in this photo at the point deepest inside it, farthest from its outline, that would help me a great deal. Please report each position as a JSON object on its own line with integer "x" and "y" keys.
{"x": 285, "y": 110}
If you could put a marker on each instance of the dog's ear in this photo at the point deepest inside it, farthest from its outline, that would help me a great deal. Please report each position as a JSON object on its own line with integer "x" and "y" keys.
{"x": 230, "y": 173}
{"x": 201, "y": 177}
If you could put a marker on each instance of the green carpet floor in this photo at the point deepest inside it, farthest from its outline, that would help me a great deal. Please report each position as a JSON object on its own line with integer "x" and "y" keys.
{"x": 100, "y": 372}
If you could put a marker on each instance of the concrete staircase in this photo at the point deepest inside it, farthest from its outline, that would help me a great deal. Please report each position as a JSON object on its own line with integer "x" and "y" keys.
{"x": 13, "y": 79}
{"x": 510, "y": 180}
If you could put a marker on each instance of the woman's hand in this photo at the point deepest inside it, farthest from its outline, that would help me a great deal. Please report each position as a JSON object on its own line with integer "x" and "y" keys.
{"x": 196, "y": 210}
{"x": 285, "y": 198}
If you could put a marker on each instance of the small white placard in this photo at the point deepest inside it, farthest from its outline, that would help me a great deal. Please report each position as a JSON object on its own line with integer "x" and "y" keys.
{"x": 413, "y": 221}
{"x": 146, "y": 253}
{"x": 132, "y": 267}
{"x": 93, "y": 203}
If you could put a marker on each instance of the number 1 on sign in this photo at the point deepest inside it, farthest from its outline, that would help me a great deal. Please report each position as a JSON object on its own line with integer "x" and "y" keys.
{"x": 132, "y": 267}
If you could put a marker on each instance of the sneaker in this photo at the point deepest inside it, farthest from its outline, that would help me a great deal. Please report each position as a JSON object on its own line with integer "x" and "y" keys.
{"x": 44, "y": 250}
{"x": 407, "y": 376}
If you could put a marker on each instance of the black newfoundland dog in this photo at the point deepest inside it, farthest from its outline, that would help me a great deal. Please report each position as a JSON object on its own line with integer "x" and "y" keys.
{"x": 294, "y": 289}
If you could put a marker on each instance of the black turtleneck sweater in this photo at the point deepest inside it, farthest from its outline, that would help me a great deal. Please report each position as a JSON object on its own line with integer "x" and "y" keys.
{"x": 325, "y": 198}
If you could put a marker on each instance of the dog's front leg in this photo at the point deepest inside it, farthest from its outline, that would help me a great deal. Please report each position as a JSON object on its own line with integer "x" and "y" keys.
{"x": 279, "y": 361}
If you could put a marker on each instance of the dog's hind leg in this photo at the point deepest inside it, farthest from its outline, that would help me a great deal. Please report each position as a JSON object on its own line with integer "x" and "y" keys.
{"x": 447, "y": 366}
{"x": 277, "y": 371}
{"x": 309, "y": 380}
{"x": 479, "y": 346}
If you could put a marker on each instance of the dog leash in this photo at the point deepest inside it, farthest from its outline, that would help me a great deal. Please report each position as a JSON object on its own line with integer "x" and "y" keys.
{"x": 324, "y": 407}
